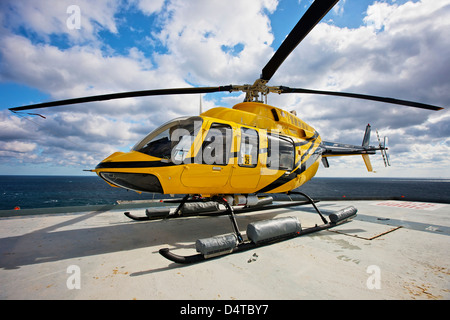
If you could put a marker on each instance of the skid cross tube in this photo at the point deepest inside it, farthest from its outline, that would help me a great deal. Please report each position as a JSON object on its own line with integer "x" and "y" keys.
{"x": 230, "y": 213}
{"x": 183, "y": 201}
{"x": 312, "y": 202}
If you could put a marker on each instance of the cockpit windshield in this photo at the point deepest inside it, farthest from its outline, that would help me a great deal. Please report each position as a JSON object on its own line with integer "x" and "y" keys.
{"x": 172, "y": 141}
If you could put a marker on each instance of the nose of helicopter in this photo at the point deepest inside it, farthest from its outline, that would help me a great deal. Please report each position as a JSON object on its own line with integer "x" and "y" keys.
{"x": 119, "y": 170}
{"x": 141, "y": 182}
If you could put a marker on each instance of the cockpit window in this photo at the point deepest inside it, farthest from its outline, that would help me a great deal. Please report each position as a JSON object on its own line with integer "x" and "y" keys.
{"x": 172, "y": 141}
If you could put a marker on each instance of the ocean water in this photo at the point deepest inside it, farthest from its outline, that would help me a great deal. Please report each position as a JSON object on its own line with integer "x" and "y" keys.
{"x": 29, "y": 192}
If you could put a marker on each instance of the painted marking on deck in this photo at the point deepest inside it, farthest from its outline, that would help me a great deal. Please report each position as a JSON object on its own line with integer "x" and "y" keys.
{"x": 411, "y": 205}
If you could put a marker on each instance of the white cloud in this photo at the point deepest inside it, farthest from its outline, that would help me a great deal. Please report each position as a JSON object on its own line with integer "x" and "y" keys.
{"x": 197, "y": 35}
{"x": 45, "y": 18}
{"x": 21, "y": 147}
{"x": 338, "y": 9}
{"x": 150, "y": 6}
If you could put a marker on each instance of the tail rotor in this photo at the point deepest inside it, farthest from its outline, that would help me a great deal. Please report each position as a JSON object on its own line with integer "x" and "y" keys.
{"x": 384, "y": 150}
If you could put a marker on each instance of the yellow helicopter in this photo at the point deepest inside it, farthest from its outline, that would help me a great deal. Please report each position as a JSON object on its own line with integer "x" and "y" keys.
{"x": 226, "y": 158}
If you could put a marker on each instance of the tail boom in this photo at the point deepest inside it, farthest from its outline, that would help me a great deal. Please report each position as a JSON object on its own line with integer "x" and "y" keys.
{"x": 333, "y": 149}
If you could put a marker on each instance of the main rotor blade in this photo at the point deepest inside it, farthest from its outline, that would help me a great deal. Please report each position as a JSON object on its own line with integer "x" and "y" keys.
{"x": 122, "y": 95}
{"x": 308, "y": 21}
{"x": 362, "y": 96}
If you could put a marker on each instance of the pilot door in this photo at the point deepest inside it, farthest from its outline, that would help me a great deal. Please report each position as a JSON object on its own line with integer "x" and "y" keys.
{"x": 210, "y": 164}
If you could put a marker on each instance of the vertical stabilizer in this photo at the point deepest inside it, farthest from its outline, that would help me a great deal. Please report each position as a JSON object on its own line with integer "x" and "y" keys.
{"x": 366, "y": 139}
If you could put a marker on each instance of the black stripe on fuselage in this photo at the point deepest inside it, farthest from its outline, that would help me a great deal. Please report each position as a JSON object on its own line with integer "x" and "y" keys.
{"x": 288, "y": 177}
{"x": 133, "y": 164}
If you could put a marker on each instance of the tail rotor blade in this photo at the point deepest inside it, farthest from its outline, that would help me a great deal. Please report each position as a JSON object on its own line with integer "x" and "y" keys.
{"x": 387, "y": 162}
{"x": 384, "y": 150}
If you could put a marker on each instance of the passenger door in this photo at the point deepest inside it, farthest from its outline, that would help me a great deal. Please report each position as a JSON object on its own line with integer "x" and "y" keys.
{"x": 246, "y": 172}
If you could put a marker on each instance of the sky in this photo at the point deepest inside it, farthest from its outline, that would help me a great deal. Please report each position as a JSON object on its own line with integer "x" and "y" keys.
{"x": 52, "y": 50}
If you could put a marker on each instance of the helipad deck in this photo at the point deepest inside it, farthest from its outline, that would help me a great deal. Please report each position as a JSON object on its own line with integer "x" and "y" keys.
{"x": 391, "y": 250}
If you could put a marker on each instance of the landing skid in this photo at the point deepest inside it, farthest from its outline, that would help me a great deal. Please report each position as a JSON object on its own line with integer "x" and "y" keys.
{"x": 246, "y": 245}
{"x": 259, "y": 233}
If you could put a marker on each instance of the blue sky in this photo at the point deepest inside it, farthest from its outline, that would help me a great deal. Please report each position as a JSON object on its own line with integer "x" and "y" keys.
{"x": 388, "y": 48}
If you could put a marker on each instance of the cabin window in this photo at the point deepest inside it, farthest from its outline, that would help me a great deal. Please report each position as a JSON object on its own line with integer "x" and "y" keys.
{"x": 172, "y": 141}
{"x": 248, "y": 155}
{"x": 280, "y": 153}
{"x": 217, "y": 145}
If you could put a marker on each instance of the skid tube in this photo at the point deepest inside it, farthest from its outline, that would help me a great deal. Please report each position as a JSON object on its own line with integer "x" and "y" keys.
{"x": 337, "y": 218}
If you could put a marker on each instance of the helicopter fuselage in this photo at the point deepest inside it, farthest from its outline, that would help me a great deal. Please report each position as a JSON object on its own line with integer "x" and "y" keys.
{"x": 251, "y": 148}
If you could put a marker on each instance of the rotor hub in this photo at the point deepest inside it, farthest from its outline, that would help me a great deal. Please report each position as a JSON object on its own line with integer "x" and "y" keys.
{"x": 256, "y": 92}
